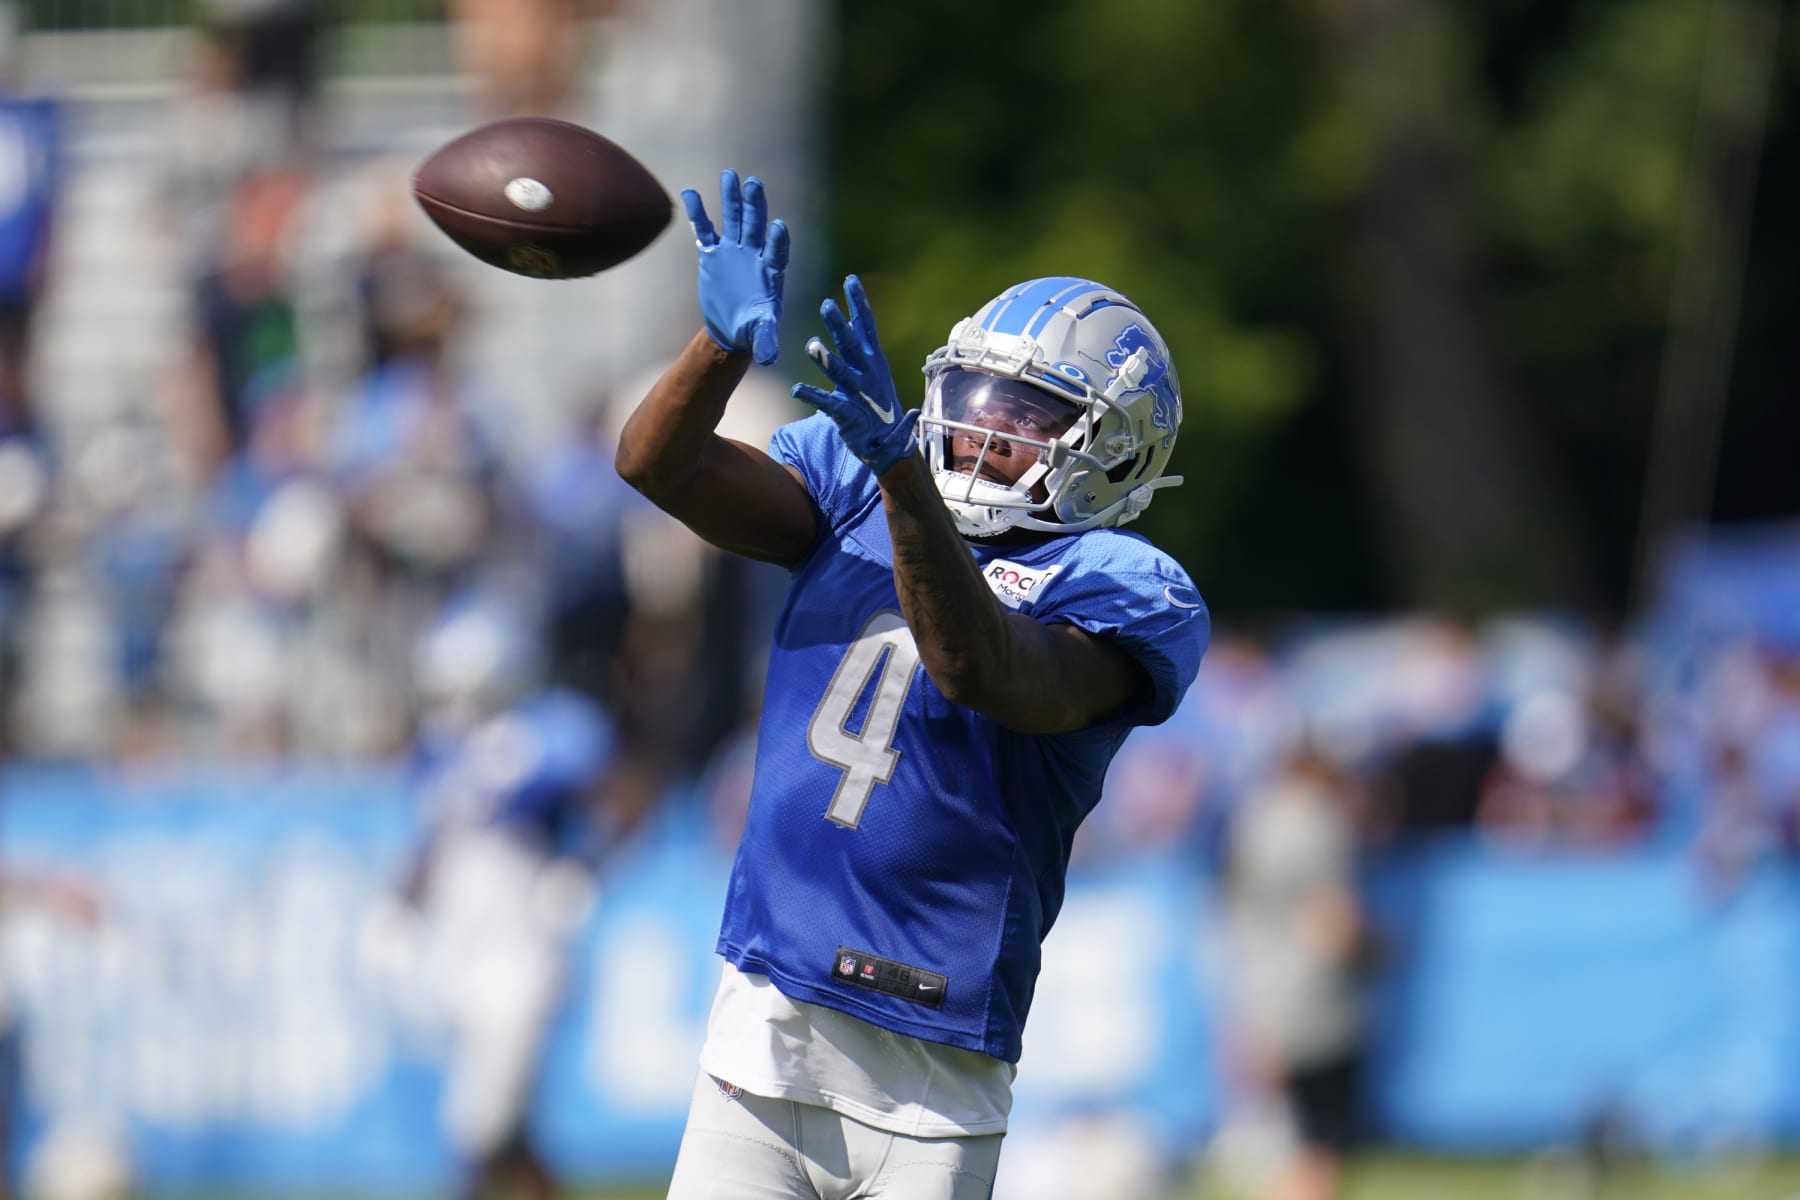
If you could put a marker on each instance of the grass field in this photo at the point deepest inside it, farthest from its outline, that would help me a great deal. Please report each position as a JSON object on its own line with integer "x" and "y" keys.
{"x": 1413, "y": 1179}
{"x": 1419, "y": 1179}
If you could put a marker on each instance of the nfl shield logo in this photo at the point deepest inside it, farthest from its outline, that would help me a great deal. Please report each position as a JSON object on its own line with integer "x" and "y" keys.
{"x": 532, "y": 260}
{"x": 846, "y": 965}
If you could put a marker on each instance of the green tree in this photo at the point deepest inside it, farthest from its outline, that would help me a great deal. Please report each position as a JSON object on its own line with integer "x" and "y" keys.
{"x": 1141, "y": 143}
{"x": 1414, "y": 258}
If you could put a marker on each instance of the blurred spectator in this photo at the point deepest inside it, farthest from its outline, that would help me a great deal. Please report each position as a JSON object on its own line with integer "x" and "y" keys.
{"x": 412, "y": 456}
{"x": 248, "y": 349}
{"x": 1298, "y": 958}
{"x": 1750, "y": 779}
{"x": 1777, "y": 757}
{"x": 229, "y": 188}
{"x": 1764, "y": 718}
{"x": 138, "y": 552}
{"x": 584, "y": 511}
{"x": 216, "y": 135}
{"x": 1176, "y": 786}
{"x": 25, "y": 488}
{"x": 31, "y": 180}
{"x": 31, "y": 183}
{"x": 106, "y": 553}
{"x": 524, "y": 54}
{"x": 267, "y": 540}
{"x": 1739, "y": 830}
{"x": 697, "y": 620}
{"x": 1571, "y": 770}
{"x": 1427, "y": 776}
{"x": 277, "y": 42}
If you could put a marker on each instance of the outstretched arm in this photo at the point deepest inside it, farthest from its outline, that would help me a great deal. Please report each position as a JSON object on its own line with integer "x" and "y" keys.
{"x": 731, "y": 494}
{"x": 1031, "y": 676}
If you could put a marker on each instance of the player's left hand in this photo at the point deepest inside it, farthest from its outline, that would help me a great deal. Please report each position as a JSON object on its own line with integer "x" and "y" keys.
{"x": 864, "y": 403}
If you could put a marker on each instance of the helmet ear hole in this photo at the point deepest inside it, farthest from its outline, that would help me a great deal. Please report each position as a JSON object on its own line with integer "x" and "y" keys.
{"x": 1133, "y": 470}
{"x": 1128, "y": 468}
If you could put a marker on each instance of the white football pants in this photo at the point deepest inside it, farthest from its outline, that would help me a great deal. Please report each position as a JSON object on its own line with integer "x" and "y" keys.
{"x": 744, "y": 1147}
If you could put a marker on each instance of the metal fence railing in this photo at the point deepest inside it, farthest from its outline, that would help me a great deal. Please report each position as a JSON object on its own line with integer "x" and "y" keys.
{"x": 118, "y": 48}
{"x": 79, "y": 15}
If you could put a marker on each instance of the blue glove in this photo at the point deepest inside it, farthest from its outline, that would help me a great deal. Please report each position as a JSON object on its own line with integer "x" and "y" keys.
{"x": 741, "y": 267}
{"x": 864, "y": 404}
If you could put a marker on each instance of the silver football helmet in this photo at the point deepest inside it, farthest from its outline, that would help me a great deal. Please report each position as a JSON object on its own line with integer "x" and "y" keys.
{"x": 1053, "y": 408}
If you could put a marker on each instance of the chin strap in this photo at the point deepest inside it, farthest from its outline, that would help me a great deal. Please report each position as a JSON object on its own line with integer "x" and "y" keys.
{"x": 992, "y": 520}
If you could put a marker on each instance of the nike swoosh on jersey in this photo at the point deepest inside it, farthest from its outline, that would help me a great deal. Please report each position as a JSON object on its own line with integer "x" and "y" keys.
{"x": 1169, "y": 595}
{"x": 886, "y": 415}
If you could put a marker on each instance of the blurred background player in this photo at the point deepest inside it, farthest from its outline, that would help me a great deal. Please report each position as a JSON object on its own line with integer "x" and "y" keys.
{"x": 523, "y": 796}
{"x": 1298, "y": 940}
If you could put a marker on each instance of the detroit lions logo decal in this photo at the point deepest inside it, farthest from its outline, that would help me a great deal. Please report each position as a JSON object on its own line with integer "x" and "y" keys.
{"x": 1167, "y": 413}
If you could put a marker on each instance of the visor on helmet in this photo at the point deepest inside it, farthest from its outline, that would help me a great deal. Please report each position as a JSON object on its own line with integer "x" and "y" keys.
{"x": 997, "y": 427}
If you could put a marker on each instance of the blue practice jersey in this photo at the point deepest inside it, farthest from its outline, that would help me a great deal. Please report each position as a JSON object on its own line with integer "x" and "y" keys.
{"x": 530, "y": 769}
{"x": 904, "y": 856}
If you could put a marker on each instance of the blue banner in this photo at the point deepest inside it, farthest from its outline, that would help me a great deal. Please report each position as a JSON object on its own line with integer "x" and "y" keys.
{"x": 246, "y": 1016}
{"x": 1533, "y": 1000}
{"x": 246, "y": 1013}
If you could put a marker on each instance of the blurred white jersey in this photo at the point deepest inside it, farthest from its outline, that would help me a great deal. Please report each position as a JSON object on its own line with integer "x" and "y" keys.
{"x": 497, "y": 943}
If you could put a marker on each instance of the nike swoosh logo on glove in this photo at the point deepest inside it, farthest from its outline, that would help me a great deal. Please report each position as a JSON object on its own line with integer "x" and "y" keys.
{"x": 884, "y": 415}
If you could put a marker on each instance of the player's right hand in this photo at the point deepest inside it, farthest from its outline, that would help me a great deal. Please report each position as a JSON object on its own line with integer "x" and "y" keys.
{"x": 869, "y": 416}
{"x": 742, "y": 264}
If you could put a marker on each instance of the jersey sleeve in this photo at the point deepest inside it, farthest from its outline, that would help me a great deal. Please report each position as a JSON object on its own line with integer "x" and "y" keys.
{"x": 1149, "y": 607}
{"x": 837, "y": 482}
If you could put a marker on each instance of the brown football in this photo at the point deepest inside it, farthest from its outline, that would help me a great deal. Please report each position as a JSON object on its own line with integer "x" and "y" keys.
{"x": 542, "y": 197}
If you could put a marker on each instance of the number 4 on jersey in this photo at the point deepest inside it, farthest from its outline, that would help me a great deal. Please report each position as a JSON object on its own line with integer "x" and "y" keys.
{"x": 868, "y": 756}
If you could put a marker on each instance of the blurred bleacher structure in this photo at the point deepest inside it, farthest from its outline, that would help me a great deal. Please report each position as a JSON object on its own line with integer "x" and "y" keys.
{"x": 180, "y": 182}
{"x": 1578, "y": 838}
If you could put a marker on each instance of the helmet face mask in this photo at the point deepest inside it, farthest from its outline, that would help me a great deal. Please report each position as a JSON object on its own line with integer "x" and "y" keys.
{"x": 1000, "y": 428}
{"x": 1054, "y": 408}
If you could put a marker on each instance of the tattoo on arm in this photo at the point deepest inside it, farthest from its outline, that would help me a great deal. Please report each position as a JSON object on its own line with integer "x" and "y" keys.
{"x": 963, "y": 635}
{"x": 1029, "y": 676}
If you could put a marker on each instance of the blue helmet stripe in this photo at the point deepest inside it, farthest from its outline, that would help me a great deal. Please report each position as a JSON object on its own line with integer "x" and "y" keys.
{"x": 1016, "y": 312}
{"x": 1069, "y": 297}
{"x": 1002, "y": 303}
{"x": 1097, "y": 305}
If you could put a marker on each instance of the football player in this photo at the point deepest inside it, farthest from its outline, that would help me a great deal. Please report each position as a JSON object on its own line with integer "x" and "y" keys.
{"x": 967, "y": 639}
{"x": 518, "y": 785}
